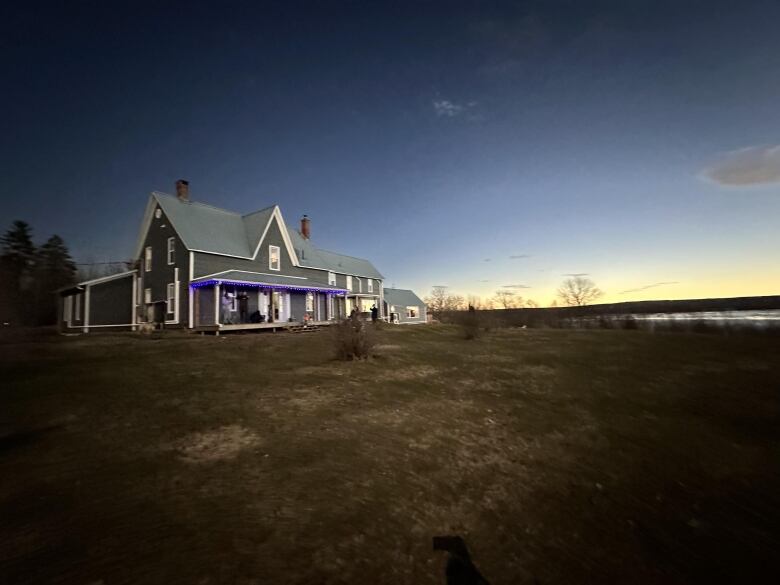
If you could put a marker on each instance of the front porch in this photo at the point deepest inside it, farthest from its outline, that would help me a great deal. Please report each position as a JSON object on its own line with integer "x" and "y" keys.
{"x": 294, "y": 326}
{"x": 241, "y": 305}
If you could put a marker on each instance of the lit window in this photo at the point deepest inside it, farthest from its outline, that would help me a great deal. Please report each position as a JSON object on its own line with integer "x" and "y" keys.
{"x": 411, "y": 312}
{"x": 148, "y": 259}
{"x": 147, "y": 296}
{"x": 273, "y": 258}
{"x": 370, "y": 285}
{"x": 332, "y": 278}
{"x": 171, "y": 250}
{"x": 349, "y": 283}
{"x": 171, "y": 301}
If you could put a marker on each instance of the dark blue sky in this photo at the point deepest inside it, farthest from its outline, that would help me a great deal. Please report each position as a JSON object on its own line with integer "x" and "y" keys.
{"x": 633, "y": 141}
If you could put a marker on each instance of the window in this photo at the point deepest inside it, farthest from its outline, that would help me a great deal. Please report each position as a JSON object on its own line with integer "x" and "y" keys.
{"x": 148, "y": 259}
{"x": 370, "y": 285}
{"x": 411, "y": 312}
{"x": 77, "y": 315}
{"x": 310, "y": 301}
{"x": 332, "y": 278}
{"x": 171, "y": 250}
{"x": 349, "y": 283}
{"x": 147, "y": 296}
{"x": 170, "y": 303}
{"x": 360, "y": 284}
{"x": 158, "y": 213}
{"x": 273, "y": 258}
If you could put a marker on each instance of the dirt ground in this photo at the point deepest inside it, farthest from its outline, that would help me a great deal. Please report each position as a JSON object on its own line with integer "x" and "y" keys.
{"x": 559, "y": 457}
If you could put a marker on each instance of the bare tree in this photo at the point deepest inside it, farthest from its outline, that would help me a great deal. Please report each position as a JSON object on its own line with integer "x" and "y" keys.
{"x": 506, "y": 299}
{"x": 531, "y": 304}
{"x": 440, "y": 300}
{"x": 578, "y": 291}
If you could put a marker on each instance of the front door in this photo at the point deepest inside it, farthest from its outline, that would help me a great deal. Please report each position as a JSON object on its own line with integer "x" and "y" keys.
{"x": 273, "y": 306}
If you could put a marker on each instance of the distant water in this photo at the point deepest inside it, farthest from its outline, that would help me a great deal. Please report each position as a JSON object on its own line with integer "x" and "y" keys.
{"x": 747, "y": 317}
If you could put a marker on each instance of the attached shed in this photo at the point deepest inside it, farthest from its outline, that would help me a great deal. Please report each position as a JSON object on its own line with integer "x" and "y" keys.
{"x": 404, "y": 307}
{"x": 102, "y": 303}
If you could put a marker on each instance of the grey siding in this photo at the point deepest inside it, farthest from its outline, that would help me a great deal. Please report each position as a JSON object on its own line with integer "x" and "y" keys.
{"x": 111, "y": 302}
{"x": 162, "y": 273}
{"x": 206, "y": 264}
{"x": 297, "y": 305}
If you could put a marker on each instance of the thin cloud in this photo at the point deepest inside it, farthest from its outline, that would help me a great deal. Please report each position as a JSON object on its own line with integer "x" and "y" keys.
{"x": 515, "y": 286}
{"x": 576, "y": 274}
{"x": 487, "y": 259}
{"x": 447, "y": 108}
{"x": 518, "y": 256}
{"x": 648, "y": 286}
{"x": 484, "y": 281}
{"x": 754, "y": 165}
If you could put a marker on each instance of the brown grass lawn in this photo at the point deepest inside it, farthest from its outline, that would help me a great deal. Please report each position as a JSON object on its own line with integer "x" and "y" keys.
{"x": 559, "y": 456}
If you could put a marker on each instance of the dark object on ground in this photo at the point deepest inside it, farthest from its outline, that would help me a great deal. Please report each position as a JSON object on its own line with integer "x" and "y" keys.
{"x": 460, "y": 570}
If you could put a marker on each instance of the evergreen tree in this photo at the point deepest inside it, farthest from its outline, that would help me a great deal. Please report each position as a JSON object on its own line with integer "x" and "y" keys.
{"x": 18, "y": 253}
{"x": 54, "y": 269}
{"x": 17, "y": 258}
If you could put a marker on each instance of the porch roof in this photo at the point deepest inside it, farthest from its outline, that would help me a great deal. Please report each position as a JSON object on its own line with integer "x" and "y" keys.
{"x": 242, "y": 277}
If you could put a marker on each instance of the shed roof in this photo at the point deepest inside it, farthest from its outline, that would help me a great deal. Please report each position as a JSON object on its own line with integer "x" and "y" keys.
{"x": 270, "y": 280}
{"x": 402, "y": 297}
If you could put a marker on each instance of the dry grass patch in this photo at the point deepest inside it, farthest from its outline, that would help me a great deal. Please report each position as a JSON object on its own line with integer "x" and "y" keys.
{"x": 217, "y": 445}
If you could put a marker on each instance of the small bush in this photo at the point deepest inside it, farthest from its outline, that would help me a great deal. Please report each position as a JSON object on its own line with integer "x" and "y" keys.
{"x": 353, "y": 339}
{"x": 470, "y": 325}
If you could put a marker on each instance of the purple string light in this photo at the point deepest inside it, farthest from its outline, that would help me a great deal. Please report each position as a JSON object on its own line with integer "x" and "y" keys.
{"x": 334, "y": 291}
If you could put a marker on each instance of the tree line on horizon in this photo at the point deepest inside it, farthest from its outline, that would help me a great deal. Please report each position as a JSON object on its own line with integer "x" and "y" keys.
{"x": 576, "y": 291}
{"x": 30, "y": 275}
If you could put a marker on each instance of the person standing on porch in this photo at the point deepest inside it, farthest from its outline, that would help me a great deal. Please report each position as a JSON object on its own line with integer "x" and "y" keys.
{"x": 374, "y": 313}
{"x": 243, "y": 306}
{"x": 227, "y": 303}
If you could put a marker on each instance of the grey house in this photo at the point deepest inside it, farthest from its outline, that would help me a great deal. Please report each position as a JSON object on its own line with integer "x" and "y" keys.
{"x": 403, "y": 306}
{"x": 208, "y": 269}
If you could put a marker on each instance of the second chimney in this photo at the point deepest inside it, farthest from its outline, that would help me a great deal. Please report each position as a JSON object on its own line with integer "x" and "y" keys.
{"x": 183, "y": 190}
{"x": 305, "y": 227}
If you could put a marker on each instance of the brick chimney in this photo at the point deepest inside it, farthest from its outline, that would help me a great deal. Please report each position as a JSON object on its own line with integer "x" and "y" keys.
{"x": 183, "y": 190}
{"x": 306, "y": 227}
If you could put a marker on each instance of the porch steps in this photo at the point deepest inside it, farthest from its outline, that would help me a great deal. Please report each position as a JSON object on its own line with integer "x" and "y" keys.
{"x": 303, "y": 328}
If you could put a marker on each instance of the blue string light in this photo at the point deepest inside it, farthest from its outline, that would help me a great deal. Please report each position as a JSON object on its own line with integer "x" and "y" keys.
{"x": 239, "y": 283}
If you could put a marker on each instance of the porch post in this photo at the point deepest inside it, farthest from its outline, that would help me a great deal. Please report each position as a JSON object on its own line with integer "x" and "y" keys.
{"x": 216, "y": 304}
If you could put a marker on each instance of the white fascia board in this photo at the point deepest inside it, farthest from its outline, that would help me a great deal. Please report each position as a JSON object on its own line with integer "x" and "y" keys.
{"x": 106, "y": 278}
{"x": 145, "y": 224}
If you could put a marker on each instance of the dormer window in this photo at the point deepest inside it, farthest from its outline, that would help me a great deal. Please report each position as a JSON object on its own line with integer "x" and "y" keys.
{"x": 273, "y": 258}
{"x": 332, "y": 278}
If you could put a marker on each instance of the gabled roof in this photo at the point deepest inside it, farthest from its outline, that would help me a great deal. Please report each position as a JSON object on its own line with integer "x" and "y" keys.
{"x": 204, "y": 228}
{"x": 313, "y": 257}
{"x": 402, "y": 297}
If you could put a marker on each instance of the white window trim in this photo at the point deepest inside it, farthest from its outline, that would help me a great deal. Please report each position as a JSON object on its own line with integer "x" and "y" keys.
{"x": 332, "y": 278}
{"x": 147, "y": 296}
{"x": 416, "y": 311}
{"x": 349, "y": 283}
{"x": 171, "y": 251}
{"x": 148, "y": 259}
{"x": 271, "y": 248}
{"x": 360, "y": 284}
{"x": 370, "y": 285}
{"x": 170, "y": 298}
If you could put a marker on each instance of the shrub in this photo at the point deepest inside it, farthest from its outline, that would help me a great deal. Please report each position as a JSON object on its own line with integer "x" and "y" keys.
{"x": 470, "y": 325}
{"x": 353, "y": 339}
